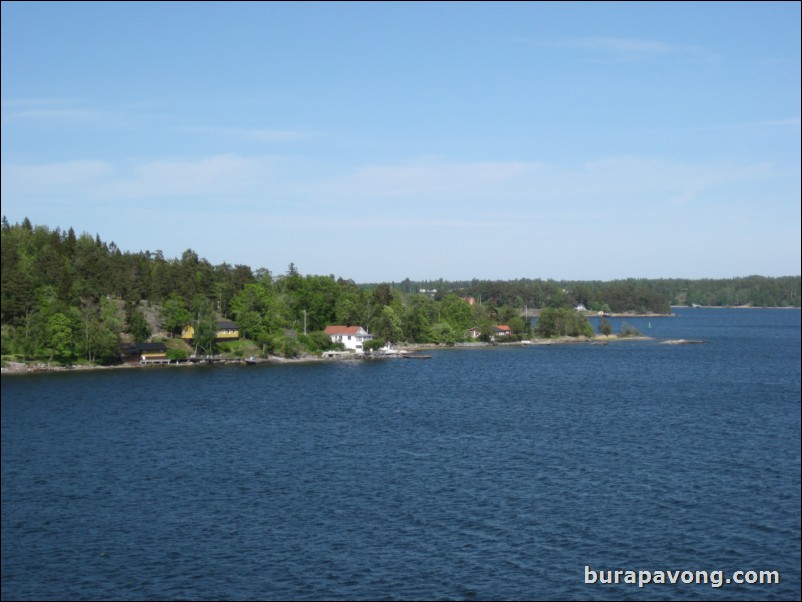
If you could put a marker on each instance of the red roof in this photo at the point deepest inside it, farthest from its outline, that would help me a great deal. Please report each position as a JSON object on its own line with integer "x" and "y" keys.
{"x": 342, "y": 330}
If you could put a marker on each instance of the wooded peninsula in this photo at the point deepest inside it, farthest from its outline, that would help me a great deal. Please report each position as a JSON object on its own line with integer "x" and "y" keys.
{"x": 76, "y": 299}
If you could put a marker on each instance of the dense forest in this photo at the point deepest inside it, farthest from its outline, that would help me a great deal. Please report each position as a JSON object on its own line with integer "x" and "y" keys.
{"x": 70, "y": 298}
{"x": 638, "y": 295}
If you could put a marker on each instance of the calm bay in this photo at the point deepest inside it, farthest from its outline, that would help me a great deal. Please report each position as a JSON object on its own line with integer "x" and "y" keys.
{"x": 491, "y": 473}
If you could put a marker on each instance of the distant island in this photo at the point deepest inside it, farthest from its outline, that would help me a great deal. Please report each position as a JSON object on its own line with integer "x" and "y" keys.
{"x": 76, "y": 300}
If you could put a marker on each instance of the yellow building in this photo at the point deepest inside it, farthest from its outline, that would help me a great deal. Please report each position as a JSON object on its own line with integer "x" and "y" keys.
{"x": 226, "y": 331}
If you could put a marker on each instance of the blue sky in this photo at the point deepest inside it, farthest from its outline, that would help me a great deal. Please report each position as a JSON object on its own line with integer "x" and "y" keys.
{"x": 379, "y": 141}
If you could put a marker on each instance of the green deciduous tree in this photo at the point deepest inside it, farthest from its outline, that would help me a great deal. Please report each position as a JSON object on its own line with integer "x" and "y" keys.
{"x": 388, "y": 326}
{"x": 204, "y": 326}
{"x": 518, "y": 325}
{"x": 60, "y": 337}
{"x": 456, "y": 312}
{"x": 174, "y": 314}
{"x": 562, "y": 321}
{"x": 443, "y": 333}
{"x": 415, "y": 324}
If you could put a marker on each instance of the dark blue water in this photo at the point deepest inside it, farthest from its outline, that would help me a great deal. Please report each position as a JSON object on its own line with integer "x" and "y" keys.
{"x": 479, "y": 474}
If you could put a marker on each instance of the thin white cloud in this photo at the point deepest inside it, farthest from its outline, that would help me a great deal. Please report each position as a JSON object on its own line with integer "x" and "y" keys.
{"x": 221, "y": 175}
{"x": 532, "y": 206}
{"x": 52, "y": 114}
{"x": 429, "y": 177}
{"x": 24, "y": 103}
{"x": 47, "y": 109}
{"x": 628, "y": 45}
{"x": 216, "y": 176}
{"x": 256, "y": 134}
{"x": 792, "y": 121}
{"x": 610, "y": 48}
{"x": 429, "y": 189}
{"x": 32, "y": 180}
{"x": 529, "y": 186}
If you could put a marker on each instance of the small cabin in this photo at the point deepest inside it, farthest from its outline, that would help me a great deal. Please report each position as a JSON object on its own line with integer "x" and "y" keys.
{"x": 226, "y": 331}
{"x": 145, "y": 353}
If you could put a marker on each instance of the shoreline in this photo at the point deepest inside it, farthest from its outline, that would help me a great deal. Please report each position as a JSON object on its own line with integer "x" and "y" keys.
{"x": 18, "y": 368}
{"x": 21, "y": 368}
{"x": 14, "y": 368}
{"x": 797, "y": 307}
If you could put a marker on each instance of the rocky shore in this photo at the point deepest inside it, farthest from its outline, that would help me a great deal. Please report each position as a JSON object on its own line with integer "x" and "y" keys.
{"x": 11, "y": 368}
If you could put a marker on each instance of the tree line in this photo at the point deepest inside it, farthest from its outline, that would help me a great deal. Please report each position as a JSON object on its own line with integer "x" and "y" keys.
{"x": 639, "y": 295}
{"x": 73, "y": 297}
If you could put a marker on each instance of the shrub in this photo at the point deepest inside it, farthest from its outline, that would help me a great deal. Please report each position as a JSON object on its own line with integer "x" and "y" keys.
{"x": 318, "y": 341}
{"x": 291, "y": 349}
{"x": 373, "y": 344}
{"x": 627, "y": 330}
{"x": 176, "y": 354}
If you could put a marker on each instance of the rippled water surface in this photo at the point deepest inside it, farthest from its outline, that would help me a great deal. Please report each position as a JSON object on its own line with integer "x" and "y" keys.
{"x": 479, "y": 474}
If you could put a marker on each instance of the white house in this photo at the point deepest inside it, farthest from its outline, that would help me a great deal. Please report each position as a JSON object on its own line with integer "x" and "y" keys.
{"x": 351, "y": 336}
{"x": 502, "y": 330}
